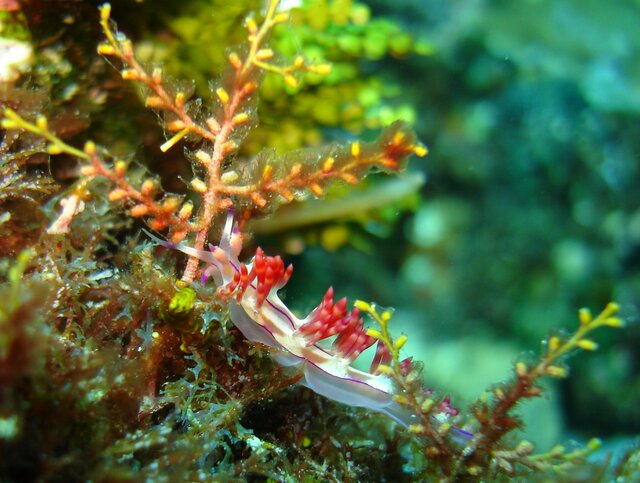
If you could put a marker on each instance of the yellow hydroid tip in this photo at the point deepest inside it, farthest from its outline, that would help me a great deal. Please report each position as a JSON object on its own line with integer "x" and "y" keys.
{"x": 171, "y": 142}
{"x": 400, "y": 342}
{"x": 222, "y": 95}
{"x": 610, "y": 309}
{"x": 362, "y": 305}
{"x": 585, "y": 316}
{"x": 106, "y": 49}
{"x": 614, "y": 322}
{"x": 374, "y": 333}
{"x": 587, "y": 345}
{"x": 105, "y": 11}
{"x": 420, "y": 150}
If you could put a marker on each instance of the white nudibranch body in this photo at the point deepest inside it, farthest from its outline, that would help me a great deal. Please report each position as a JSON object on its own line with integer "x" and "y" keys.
{"x": 257, "y": 311}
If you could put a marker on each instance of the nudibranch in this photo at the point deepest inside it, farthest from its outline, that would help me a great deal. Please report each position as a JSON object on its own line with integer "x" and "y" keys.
{"x": 257, "y": 311}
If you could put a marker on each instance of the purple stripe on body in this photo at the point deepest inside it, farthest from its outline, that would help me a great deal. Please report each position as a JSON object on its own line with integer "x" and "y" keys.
{"x": 279, "y": 310}
{"x": 463, "y": 433}
{"x": 350, "y": 379}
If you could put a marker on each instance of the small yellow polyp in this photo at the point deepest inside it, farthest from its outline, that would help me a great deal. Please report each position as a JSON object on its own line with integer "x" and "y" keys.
{"x": 171, "y": 142}
{"x": 222, "y": 95}
{"x": 362, "y": 305}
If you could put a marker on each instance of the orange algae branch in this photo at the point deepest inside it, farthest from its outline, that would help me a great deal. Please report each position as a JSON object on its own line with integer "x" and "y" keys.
{"x": 222, "y": 131}
{"x": 217, "y": 130}
{"x": 313, "y": 169}
{"x": 257, "y": 184}
{"x": 166, "y": 212}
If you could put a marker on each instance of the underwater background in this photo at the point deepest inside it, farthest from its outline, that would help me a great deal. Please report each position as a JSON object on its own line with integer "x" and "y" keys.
{"x": 526, "y": 209}
{"x": 530, "y": 207}
{"x": 535, "y": 138}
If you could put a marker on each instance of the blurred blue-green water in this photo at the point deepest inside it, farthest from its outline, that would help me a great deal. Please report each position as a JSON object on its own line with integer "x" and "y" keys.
{"x": 531, "y": 209}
